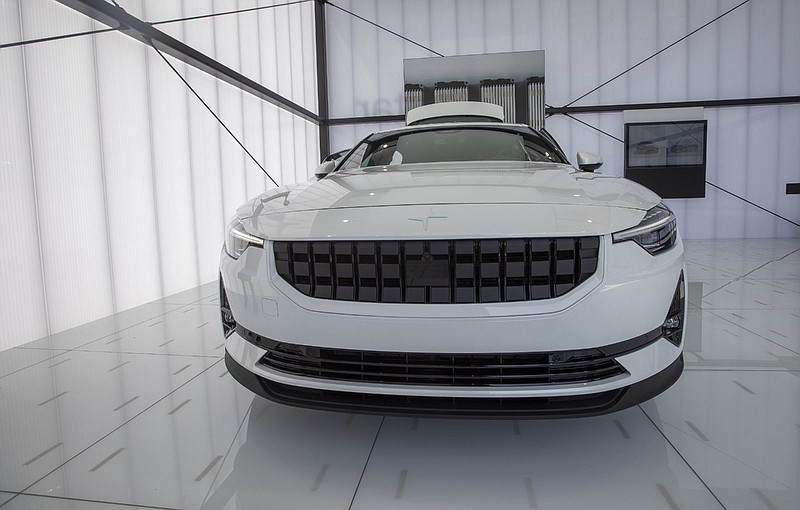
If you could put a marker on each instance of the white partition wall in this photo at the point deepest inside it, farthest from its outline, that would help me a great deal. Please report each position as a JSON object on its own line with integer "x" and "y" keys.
{"x": 116, "y": 182}
{"x": 751, "y": 52}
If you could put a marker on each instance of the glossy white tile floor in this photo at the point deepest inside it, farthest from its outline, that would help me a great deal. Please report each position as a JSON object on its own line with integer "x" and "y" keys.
{"x": 138, "y": 409}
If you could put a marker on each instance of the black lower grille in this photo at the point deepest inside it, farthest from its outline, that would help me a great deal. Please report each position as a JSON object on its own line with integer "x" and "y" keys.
{"x": 228, "y": 323}
{"x": 673, "y": 326}
{"x": 438, "y": 271}
{"x": 577, "y": 405}
{"x": 590, "y": 404}
{"x": 435, "y": 369}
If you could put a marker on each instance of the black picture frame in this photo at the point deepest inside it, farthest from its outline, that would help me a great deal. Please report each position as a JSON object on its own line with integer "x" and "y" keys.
{"x": 668, "y": 157}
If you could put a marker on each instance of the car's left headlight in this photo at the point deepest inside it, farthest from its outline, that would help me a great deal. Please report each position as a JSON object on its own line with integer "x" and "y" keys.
{"x": 655, "y": 233}
{"x": 237, "y": 240}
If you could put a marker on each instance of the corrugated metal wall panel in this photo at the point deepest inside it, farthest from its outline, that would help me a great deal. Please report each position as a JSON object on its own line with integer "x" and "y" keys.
{"x": 119, "y": 192}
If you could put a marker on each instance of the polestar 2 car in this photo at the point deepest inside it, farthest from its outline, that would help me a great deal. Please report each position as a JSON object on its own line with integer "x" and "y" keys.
{"x": 455, "y": 269}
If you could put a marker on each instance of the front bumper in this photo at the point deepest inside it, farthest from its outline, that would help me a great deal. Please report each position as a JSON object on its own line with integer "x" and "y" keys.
{"x": 630, "y": 294}
{"x": 463, "y": 407}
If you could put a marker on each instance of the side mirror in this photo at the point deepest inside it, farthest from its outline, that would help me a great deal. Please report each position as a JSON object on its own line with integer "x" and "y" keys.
{"x": 337, "y": 156}
{"x": 589, "y": 162}
{"x": 324, "y": 169}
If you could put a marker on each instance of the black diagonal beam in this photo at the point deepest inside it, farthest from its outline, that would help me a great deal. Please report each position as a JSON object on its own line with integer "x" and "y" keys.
{"x": 322, "y": 78}
{"x": 117, "y": 18}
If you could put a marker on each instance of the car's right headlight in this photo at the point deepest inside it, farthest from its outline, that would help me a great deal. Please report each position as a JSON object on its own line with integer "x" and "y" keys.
{"x": 655, "y": 233}
{"x": 237, "y": 240}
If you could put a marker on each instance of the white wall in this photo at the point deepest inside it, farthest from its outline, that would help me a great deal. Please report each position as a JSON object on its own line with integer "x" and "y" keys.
{"x": 115, "y": 182}
{"x": 751, "y": 52}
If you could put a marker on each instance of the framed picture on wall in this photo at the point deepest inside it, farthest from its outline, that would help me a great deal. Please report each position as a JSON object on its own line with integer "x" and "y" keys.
{"x": 668, "y": 157}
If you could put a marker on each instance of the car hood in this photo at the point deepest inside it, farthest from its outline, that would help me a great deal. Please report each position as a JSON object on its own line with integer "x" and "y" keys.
{"x": 449, "y": 199}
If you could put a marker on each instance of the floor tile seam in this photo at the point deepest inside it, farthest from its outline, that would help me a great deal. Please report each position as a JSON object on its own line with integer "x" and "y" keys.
{"x": 179, "y": 307}
{"x": 708, "y": 266}
{"x": 225, "y": 457}
{"x": 722, "y": 452}
{"x": 183, "y": 304}
{"x": 788, "y": 255}
{"x": 90, "y": 500}
{"x": 78, "y": 349}
{"x": 733, "y": 274}
{"x": 119, "y": 330}
{"x": 721, "y": 287}
{"x": 761, "y": 309}
{"x": 65, "y": 350}
{"x": 366, "y": 463}
{"x": 196, "y": 301}
{"x": 753, "y": 332}
{"x": 691, "y": 468}
{"x": 119, "y": 427}
{"x": 766, "y": 281}
{"x": 168, "y": 354}
{"x": 34, "y": 364}
{"x": 35, "y": 348}
{"x": 749, "y": 272}
{"x": 751, "y": 280}
{"x": 769, "y": 262}
{"x": 746, "y": 256}
{"x": 743, "y": 308}
{"x": 690, "y": 368}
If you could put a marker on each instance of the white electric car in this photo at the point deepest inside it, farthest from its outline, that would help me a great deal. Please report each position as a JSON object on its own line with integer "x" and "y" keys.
{"x": 455, "y": 269}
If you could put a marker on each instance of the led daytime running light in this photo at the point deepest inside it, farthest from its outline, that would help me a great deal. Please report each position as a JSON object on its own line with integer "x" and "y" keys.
{"x": 237, "y": 240}
{"x": 655, "y": 233}
{"x": 244, "y": 236}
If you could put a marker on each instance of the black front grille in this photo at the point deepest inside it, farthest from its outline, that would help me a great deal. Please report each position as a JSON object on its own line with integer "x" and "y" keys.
{"x": 438, "y": 271}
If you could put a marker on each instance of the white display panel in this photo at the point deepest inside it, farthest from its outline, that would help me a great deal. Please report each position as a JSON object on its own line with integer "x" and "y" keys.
{"x": 117, "y": 182}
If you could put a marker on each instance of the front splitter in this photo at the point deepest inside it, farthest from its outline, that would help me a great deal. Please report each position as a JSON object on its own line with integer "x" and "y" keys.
{"x": 572, "y": 406}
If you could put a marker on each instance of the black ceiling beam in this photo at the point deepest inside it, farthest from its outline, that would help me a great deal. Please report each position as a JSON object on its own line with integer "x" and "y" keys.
{"x": 366, "y": 120}
{"x": 322, "y": 78}
{"x": 605, "y": 108}
{"x": 712, "y": 103}
{"x": 116, "y": 18}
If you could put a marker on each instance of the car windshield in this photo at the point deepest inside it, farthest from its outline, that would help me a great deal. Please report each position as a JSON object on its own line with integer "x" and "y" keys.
{"x": 451, "y": 144}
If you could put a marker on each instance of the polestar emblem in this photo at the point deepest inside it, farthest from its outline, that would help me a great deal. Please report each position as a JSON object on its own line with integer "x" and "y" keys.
{"x": 425, "y": 220}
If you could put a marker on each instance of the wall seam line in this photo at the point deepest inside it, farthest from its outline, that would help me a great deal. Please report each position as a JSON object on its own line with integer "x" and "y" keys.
{"x": 103, "y": 173}
{"x": 42, "y": 270}
{"x": 190, "y": 143}
{"x": 261, "y": 106}
{"x": 153, "y": 172}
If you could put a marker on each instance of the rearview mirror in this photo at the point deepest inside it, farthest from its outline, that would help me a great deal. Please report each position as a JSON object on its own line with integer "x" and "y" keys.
{"x": 589, "y": 162}
{"x": 324, "y": 169}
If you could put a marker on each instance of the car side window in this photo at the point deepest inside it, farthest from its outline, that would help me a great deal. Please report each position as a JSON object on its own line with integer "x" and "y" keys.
{"x": 384, "y": 154}
{"x": 540, "y": 152}
{"x": 354, "y": 161}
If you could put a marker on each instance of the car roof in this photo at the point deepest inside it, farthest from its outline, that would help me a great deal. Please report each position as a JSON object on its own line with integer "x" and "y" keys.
{"x": 498, "y": 126}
